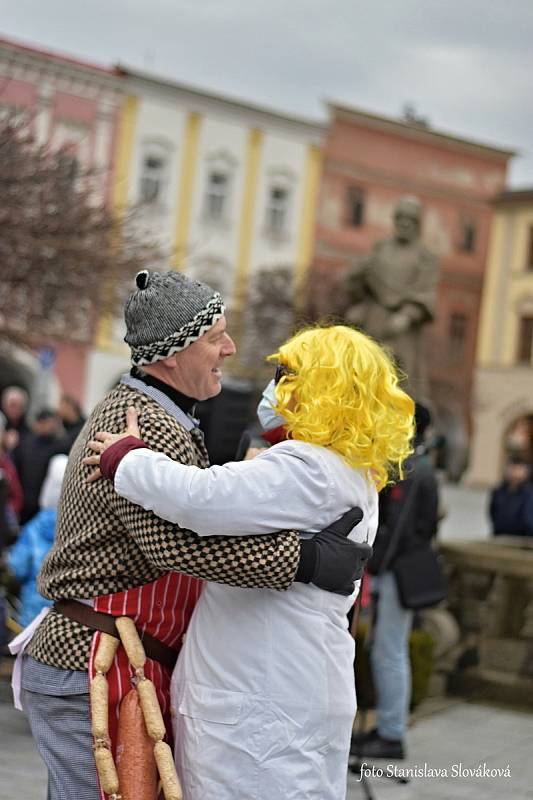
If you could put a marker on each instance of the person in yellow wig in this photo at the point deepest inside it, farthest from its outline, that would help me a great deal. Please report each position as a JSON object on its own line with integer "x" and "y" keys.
{"x": 263, "y": 690}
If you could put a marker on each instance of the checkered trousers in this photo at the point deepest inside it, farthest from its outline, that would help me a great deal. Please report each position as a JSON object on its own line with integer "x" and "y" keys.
{"x": 60, "y": 722}
{"x": 105, "y": 544}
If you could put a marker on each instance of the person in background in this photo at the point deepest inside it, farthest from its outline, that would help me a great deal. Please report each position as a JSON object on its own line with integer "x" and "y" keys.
{"x": 33, "y": 456}
{"x": 70, "y": 414}
{"x": 5, "y": 539}
{"x": 10, "y": 505}
{"x": 35, "y": 540}
{"x": 14, "y": 407}
{"x": 14, "y": 498}
{"x": 511, "y": 503}
{"x": 389, "y": 651}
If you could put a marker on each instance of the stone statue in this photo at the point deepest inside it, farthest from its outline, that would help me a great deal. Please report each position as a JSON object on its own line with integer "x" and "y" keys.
{"x": 392, "y": 294}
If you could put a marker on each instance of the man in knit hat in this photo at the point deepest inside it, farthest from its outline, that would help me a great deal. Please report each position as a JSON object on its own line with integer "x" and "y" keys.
{"x": 113, "y": 558}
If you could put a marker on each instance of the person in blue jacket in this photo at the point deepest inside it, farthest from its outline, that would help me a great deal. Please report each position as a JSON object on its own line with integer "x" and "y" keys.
{"x": 34, "y": 542}
{"x": 511, "y": 503}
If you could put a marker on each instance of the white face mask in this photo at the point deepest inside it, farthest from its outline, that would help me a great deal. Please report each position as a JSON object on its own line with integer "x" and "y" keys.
{"x": 265, "y": 411}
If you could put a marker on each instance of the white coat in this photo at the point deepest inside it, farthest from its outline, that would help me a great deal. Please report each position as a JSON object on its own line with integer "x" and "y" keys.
{"x": 263, "y": 691}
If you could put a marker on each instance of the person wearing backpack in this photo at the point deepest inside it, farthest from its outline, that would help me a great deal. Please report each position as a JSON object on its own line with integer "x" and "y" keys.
{"x": 408, "y": 519}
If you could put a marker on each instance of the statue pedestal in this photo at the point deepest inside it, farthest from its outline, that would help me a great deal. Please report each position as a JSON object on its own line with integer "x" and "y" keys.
{"x": 491, "y": 597}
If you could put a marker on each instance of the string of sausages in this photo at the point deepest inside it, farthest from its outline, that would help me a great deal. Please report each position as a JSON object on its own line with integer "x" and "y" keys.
{"x": 153, "y": 719}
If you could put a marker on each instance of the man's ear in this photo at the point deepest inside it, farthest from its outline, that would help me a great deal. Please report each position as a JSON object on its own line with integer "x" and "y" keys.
{"x": 170, "y": 362}
{"x": 160, "y": 368}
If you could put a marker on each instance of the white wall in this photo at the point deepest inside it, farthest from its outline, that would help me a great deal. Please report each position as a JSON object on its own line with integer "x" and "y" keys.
{"x": 283, "y": 161}
{"x": 213, "y": 247}
{"x": 161, "y": 124}
{"x": 222, "y": 144}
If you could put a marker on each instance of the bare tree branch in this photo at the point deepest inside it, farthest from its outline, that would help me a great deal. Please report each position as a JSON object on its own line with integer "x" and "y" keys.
{"x": 64, "y": 257}
{"x": 269, "y": 319}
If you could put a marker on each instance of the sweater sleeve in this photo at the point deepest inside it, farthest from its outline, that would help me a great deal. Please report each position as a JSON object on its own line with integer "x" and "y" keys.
{"x": 247, "y": 561}
{"x": 284, "y": 487}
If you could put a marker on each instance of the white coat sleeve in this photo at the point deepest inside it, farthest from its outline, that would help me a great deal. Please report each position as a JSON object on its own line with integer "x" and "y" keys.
{"x": 277, "y": 490}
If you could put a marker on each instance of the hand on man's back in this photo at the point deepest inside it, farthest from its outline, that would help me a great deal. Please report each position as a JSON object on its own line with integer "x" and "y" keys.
{"x": 334, "y": 562}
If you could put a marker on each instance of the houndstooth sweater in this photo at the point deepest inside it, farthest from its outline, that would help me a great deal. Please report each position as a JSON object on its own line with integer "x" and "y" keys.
{"x": 104, "y": 544}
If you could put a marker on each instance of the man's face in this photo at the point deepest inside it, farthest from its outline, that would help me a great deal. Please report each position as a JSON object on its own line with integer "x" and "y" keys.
{"x": 14, "y": 406}
{"x": 66, "y": 411}
{"x": 517, "y": 474}
{"x": 46, "y": 427}
{"x": 406, "y": 226}
{"x": 197, "y": 370}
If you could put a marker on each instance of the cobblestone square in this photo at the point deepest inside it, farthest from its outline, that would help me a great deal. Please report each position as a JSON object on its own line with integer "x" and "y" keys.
{"x": 457, "y": 738}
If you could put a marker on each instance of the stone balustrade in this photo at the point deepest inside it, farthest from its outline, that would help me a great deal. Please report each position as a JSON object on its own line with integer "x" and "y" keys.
{"x": 491, "y": 598}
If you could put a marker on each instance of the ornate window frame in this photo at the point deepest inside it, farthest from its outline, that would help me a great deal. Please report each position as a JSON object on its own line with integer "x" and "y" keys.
{"x": 154, "y": 178}
{"x": 281, "y": 181}
{"x": 218, "y": 195}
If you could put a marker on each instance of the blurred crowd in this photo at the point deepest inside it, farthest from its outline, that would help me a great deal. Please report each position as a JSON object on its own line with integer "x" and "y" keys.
{"x": 33, "y": 456}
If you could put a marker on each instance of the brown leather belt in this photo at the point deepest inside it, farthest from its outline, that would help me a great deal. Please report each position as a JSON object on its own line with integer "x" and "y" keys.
{"x": 87, "y": 616}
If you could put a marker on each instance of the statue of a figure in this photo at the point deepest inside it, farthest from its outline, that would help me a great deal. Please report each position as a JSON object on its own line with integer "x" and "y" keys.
{"x": 392, "y": 294}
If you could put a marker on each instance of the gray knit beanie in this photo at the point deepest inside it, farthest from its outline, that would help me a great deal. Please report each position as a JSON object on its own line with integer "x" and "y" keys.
{"x": 167, "y": 313}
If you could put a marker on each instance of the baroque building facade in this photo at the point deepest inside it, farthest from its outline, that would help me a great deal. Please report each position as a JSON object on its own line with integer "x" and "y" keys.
{"x": 227, "y": 190}
{"x": 232, "y": 192}
{"x": 369, "y": 162}
{"x": 72, "y": 105}
{"x": 503, "y": 397}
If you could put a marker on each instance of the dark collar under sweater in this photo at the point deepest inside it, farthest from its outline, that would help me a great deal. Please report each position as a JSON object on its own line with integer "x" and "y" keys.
{"x": 181, "y": 400}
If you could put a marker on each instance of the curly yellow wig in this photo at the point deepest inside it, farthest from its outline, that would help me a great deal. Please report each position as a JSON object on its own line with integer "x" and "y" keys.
{"x": 342, "y": 392}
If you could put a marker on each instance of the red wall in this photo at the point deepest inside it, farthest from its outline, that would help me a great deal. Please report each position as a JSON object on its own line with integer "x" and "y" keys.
{"x": 452, "y": 180}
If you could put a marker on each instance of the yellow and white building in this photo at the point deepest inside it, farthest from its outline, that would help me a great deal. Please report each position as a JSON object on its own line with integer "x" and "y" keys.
{"x": 225, "y": 188}
{"x": 503, "y": 406}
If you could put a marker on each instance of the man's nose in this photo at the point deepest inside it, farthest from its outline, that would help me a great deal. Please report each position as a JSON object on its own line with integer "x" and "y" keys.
{"x": 228, "y": 347}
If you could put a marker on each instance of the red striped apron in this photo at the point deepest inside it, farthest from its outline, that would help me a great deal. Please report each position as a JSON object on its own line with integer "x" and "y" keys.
{"x": 162, "y": 609}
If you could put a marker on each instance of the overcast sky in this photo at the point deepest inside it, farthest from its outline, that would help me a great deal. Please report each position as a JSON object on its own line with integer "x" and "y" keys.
{"x": 466, "y": 65}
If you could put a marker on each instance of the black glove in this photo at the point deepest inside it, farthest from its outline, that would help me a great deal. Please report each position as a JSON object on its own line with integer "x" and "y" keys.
{"x": 332, "y": 561}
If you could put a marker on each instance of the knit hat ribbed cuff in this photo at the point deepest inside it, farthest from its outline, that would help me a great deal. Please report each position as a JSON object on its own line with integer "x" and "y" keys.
{"x": 179, "y": 340}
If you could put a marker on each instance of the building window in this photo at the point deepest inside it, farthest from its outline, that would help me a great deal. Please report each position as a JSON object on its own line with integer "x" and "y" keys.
{"x": 529, "y": 264}
{"x": 277, "y": 210}
{"x": 525, "y": 340}
{"x": 72, "y": 138}
{"x": 467, "y": 241}
{"x": 152, "y": 178}
{"x": 154, "y": 175}
{"x": 280, "y": 184}
{"x": 457, "y": 336}
{"x": 216, "y": 195}
{"x": 355, "y": 207}
{"x": 68, "y": 168}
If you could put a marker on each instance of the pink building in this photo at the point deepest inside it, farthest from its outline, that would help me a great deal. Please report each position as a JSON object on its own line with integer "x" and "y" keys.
{"x": 369, "y": 163}
{"x": 72, "y": 104}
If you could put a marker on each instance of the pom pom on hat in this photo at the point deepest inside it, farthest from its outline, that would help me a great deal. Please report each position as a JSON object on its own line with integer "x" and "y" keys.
{"x": 142, "y": 278}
